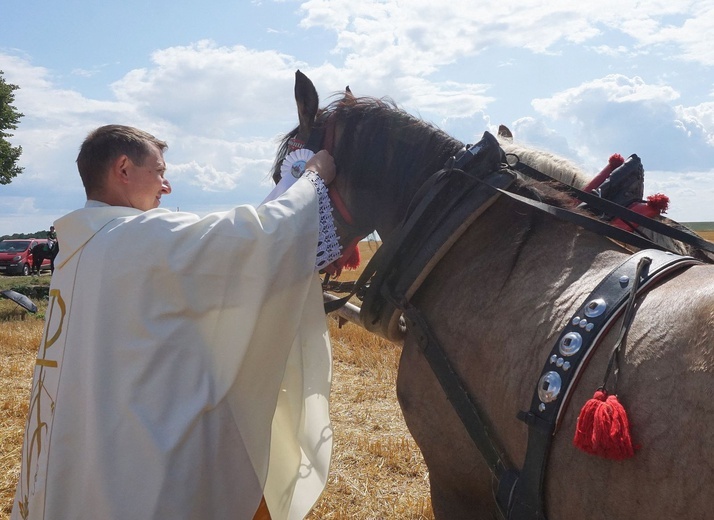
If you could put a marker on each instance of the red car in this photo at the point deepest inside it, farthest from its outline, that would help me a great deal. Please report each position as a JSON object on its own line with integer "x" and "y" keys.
{"x": 16, "y": 255}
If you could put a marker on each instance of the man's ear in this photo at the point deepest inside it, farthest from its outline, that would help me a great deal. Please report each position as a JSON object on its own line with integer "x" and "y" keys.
{"x": 119, "y": 170}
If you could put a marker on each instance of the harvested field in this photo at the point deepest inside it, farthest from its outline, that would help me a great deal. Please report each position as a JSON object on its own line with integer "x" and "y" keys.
{"x": 19, "y": 340}
{"x": 377, "y": 470}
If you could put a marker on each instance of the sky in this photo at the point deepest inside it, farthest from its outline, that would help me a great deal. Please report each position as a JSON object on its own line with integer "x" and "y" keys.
{"x": 215, "y": 80}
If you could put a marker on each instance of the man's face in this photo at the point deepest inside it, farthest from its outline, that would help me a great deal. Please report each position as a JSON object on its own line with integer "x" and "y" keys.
{"x": 146, "y": 183}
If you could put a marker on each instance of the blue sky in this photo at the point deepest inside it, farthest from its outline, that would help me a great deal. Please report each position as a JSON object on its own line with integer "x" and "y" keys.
{"x": 215, "y": 80}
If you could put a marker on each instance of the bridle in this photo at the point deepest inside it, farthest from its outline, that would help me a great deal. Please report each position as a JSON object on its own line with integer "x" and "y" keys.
{"x": 322, "y": 137}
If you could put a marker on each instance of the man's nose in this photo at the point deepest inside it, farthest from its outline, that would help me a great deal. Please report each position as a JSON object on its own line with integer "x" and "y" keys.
{"x": 165, "y": 187}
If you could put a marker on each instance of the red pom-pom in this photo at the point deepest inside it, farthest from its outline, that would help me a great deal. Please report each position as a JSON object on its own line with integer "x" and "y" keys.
{"x": 603, "y": 428}
{"x": 352, "y": 261}
{"x": 654, "y": 207}
{"x": 615, "y": 161}
{"x": 658, "y": 202}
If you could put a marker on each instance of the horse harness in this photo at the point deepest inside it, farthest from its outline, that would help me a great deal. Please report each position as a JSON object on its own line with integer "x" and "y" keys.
{"x": 441, "y": 211}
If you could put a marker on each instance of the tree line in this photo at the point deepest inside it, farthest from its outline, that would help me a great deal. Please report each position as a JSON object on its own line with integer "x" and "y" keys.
{"x": 9, "y": 118}
{"x": 36, "y": 234}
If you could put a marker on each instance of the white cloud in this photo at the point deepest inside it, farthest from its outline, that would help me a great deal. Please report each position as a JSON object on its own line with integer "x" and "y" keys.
{"x": 206, "y": 176}
{"x": 701, "y": 116}
{"x": 418, "y": 36}
{"x": 38, "y": 97}
{"x": 627, "y": 115}
{"x": 609, "y": 50}
{"x": 534, "y": 132}
{"x": 216, "y": 90}
{"x": 445, "y": 99}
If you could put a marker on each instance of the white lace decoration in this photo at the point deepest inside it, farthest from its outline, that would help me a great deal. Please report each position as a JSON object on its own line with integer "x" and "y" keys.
{"x": 328, "y": 243}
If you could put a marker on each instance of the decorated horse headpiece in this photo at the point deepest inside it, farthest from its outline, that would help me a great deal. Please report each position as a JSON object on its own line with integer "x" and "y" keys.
{"x": 299, "y": 153}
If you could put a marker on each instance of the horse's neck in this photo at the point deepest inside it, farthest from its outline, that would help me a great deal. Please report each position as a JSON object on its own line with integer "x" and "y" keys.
{"x": 501, "y": 295}
{"x": 556, "y": 167}
{"x": 516, "y": 252}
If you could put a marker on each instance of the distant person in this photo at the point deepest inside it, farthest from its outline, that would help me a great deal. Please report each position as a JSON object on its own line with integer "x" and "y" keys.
{"x": 52, "y": 234}
{"x": 52, "y": 247}
{"x": 185, "y": 368}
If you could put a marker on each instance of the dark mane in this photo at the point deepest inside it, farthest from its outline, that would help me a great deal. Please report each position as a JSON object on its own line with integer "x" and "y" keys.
{"x": 379, "y": 137}
{"x": 546, "y": 192}
{"x": 384, "y": 149}
{"x": 380, "y": 134}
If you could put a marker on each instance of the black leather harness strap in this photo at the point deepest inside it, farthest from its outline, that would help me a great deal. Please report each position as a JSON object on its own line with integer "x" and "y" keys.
{"x": 570, "y": 354}
{"x": 468, "y": 411}
{"x": 587, "y": 222}
{"x": 615, "y": 210}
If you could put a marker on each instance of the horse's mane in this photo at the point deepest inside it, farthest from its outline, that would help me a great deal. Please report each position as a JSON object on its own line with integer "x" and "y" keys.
{"x": 552, "y": 165}
{"x": 379, "y": 137}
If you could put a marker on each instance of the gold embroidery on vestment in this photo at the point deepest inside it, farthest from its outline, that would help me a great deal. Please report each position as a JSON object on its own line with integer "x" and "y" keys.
{"x": 38, "y": 425}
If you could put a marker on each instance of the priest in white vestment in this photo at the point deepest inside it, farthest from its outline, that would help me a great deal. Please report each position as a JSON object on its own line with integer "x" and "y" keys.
{"x": 184, "y": 370}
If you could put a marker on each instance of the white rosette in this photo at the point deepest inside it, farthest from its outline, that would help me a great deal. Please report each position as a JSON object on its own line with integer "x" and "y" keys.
{"x": 291, "y": 169}
{"x": 294, "y": 163}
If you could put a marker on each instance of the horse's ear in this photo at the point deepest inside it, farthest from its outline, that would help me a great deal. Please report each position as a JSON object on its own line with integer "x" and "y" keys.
{"x": 307, "y": 104}
{"x": 505, "y": 133}
{"x": 349, "y": 96}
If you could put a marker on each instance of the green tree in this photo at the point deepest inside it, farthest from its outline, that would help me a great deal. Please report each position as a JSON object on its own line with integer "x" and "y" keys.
{"x": 9, "y": 117}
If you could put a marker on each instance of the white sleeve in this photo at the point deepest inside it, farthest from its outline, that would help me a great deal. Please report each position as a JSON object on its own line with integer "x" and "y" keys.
{"x": 280, "y": 188}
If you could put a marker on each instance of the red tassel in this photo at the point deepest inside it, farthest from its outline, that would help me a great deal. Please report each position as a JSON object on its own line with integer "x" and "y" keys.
{"x": 350, "y": 259}
{"x": 352, "y": 262}
{"x": 616, "y": 160}
{"x": 603, "y": 428}
{"x": 656, "y": 205}
{"x": 658, "y": 202}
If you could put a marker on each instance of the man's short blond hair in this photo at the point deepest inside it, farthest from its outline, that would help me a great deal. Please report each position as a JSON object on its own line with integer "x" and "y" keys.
{"x": 105, "y": 145}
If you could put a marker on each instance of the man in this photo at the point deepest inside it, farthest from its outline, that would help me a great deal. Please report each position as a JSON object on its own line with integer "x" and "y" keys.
{"x": 52, "y": 234}
{"x": 52, "y": 247}
{"x": 185, "y": 367}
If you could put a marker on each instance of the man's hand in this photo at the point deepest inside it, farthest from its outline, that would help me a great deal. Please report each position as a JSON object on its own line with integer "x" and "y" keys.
{"x": 323, "y": 164}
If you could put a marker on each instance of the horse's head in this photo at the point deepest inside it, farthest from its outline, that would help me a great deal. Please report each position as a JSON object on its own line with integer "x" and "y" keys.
{"x": 382, "y": 154}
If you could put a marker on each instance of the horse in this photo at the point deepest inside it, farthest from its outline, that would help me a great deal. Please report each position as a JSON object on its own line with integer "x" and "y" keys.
{"x": 497, "y": 301}
{"x": 47, "y": 250}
